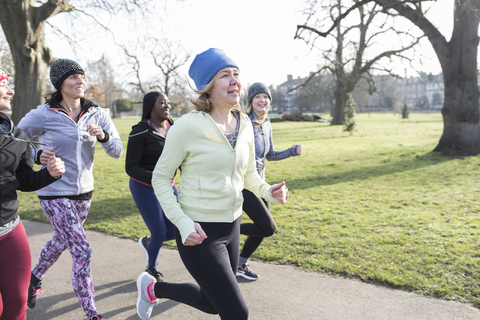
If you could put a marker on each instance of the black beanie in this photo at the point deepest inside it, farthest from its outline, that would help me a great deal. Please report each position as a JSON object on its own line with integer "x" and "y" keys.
{"x": 257, "y": 88}
{"x": 61, "y": 69}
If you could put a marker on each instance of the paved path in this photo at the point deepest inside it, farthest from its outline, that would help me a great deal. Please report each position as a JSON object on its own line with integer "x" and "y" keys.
{"x": 283, "y": 292}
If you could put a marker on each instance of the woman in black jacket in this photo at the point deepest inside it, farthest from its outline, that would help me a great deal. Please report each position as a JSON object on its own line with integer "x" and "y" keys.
{"x": 145, "y": 145}
{"x": 16, "y": 173}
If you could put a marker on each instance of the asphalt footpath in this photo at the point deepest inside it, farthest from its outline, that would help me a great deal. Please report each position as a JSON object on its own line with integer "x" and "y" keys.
{"x": 282, "y": 292}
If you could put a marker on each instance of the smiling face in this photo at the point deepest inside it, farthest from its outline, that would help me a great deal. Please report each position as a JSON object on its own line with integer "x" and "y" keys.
{"x": 261, "y": 103}
{"x": 6, "y": 94}
{"x": 226, "y": 90}
{"x": 74, "y": 86}
{"x": 161, "y": 109}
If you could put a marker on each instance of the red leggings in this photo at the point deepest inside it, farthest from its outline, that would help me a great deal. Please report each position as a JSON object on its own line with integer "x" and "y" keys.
{"x": 15, "y": 264}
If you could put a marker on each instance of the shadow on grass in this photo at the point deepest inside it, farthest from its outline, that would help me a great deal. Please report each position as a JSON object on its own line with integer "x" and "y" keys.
{"x": 428, "y": 159}
{"x": 304, "y": 127}
{"x": 117, "y": 216}
{"x": 113, "y": 210}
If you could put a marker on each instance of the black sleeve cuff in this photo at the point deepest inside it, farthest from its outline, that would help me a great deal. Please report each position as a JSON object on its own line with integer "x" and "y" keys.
{"x": 105, "y": 139}
{"x": 37, "y": 156}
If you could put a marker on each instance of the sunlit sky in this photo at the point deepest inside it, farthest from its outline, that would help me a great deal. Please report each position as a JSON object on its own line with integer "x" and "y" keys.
{"x": 257, "y": 34}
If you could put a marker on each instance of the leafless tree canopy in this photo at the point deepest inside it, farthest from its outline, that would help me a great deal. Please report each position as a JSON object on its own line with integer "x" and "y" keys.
{"x": 458, "y": 59}
{"x": 352, "y": 48}
{"x": 23, "y": 23}
{"x": 166, "y": 55}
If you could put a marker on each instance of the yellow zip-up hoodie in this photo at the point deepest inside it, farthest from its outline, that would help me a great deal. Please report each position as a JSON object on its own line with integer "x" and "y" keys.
{"x": 213, "y": 174}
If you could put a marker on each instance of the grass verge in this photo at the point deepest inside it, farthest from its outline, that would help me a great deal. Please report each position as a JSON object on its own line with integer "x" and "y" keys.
{"x": 376, "y": 205}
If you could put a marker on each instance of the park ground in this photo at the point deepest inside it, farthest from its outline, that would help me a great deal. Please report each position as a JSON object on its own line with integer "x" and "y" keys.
{"x": 375, "y": 205}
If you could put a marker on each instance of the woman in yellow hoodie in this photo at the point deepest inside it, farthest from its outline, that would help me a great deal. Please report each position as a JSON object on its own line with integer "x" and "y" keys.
{"x": 215, "y": 148}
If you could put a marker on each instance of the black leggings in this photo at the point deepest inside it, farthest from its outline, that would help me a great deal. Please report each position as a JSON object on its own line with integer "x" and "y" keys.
{"x": 263, "y": 224}
{"x": 213, "y": 265}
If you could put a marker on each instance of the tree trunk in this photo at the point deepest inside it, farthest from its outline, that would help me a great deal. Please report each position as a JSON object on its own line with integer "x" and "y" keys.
{"x": 461, "y": 131}
{"x": 30, "y": 79}
{"x": 338, "y": 115}
{"x": 458, "y": 58}
{"x": 24, "y": 28}
{"x": 340, "y": 75}
{"x": 166, "y": 89}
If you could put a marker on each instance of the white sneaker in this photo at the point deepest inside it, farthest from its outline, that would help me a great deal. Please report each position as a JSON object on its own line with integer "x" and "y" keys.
{"x": 143, "y": 242}
{"x": 144, "y": 303}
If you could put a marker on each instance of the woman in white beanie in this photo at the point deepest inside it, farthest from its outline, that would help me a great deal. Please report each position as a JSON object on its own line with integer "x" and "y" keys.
{"x": 258, "y": 209}
{"x": 215, "y": 148}
{"x": 71, "y": 125}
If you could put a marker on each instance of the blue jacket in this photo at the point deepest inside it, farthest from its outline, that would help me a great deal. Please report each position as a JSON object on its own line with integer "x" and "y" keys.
{"x": 72, "y": 143}
{"x": 264, "y": 144}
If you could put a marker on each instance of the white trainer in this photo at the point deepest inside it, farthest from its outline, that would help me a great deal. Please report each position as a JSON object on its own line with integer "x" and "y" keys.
{"x": 144, "y": 303}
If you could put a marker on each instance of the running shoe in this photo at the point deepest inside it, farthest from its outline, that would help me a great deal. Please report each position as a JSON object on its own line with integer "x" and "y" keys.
{"x": 33, "y": 291}
{"x": 244, "y": 271}
{"x": 143, "y": 242}
{"x": 96, "y": 317}
{"x": 144, "y": 303}
{"x": 156, "y": 274}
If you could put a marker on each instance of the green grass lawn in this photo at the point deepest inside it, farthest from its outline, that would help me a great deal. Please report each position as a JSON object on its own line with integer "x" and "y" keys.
{"x": 376, "y": 205}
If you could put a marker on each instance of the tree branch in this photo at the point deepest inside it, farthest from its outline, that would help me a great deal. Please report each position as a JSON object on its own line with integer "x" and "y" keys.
{"x": 335, "y": 23}
{"x": 389, "y": 53}
{"x": 136, "y": 70}
{"x": 100, "y": 24}
{"x": 49, "y": 9}
{"x": 312, "y": 75}
{"x": 417, "y": 17}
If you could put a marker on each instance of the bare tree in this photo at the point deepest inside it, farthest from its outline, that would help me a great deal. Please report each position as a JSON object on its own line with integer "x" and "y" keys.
{"x": 386, "y": 96}
{"x": 278, "y": 99}
{"x": 316, "y": 95}
{"x": 101, "y": 77}
{"x": 458, "y": 59}
{"x": 167, "y": 56}
{"x": 23, "y": 22}
{"x": 349, "y": 59}
{"x": 134, "y": 60}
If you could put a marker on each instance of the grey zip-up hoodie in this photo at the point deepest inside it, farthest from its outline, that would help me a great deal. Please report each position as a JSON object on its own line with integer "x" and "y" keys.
{"x": 72, "y": 143}
{"x": 264, "y": 144}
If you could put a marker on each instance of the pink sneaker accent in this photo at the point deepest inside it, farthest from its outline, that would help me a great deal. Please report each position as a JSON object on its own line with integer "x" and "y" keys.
{"x": 151, "y": 295}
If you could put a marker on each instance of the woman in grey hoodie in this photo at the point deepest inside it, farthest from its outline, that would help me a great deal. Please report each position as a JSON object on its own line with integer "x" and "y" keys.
{"x": 71, "y": 125}
{"x": 259, "y": 99}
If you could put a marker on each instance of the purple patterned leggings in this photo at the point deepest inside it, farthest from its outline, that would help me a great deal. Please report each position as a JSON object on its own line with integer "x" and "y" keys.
{"x": 67, "y": 217}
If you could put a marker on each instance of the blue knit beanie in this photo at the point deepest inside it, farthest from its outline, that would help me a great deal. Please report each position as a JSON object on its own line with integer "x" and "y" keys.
{"x": 207, "y": 64}
{"x": 257, "y": 88}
